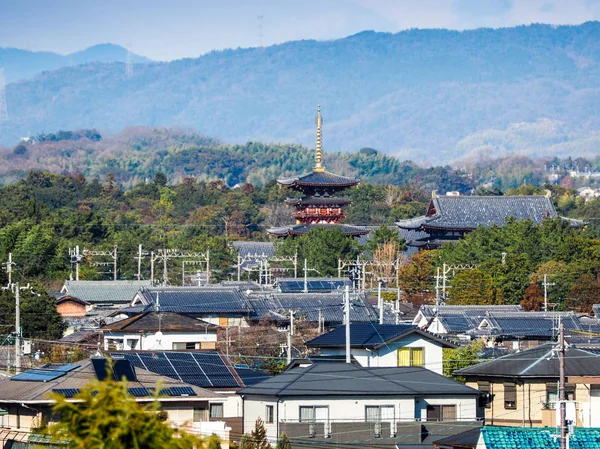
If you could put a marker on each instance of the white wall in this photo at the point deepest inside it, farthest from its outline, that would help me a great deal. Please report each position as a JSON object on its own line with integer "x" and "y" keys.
{"x": 387, "y": 356}
{"x": 350, "y": 409}
{"x": 149, "y": 341}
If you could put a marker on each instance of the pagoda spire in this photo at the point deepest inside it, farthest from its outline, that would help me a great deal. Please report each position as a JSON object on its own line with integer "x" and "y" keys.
{"x": 319, "y": 153}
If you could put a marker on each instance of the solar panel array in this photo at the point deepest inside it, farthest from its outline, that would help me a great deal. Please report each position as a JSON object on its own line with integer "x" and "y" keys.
{"x": 135, "y": 391}
{"x": 321, "y": 285}
{"x": 203, "y": 369}
{"x": 45, "y": 373}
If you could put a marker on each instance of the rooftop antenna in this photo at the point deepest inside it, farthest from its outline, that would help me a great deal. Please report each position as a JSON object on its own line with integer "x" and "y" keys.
{"x": 3, "y": 108}
{"x": 128, "y": 62}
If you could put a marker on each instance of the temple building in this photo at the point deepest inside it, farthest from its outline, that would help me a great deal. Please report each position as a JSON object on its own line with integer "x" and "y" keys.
{"x": 319, "y": 205}
{"x": 450, "y": 218}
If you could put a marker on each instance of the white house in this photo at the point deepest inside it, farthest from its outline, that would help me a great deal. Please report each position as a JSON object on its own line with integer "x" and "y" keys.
{"x": 385, "y": 345}
{"x": 159, "y": 331}
{"x": 344, "y": 403}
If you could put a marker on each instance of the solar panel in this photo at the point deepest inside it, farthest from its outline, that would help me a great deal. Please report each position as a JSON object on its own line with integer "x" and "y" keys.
{"x": 124, "y": 369}
{"x": 67, "y": 392}
{"x": 45, "y": 373}
{"x": 178, "y": 391}
{"x": 140, "y": 391}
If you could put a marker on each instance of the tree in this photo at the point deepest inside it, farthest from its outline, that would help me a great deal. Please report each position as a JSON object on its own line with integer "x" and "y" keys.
{"x": 283, "y": 442}
{"x": 384, "y": 235}
{"x": 417, "y": 276}
{"x": 533, "y": 298}
{"x": 472, "y": 287}
{"x": 160, "y": 179}
{"x": 107, "y": 417}
{"x": 257, "y": 439}
{"x": 321, "y": 247}
{"x": 584, "y": 294}
{"x": 459, "y": 358}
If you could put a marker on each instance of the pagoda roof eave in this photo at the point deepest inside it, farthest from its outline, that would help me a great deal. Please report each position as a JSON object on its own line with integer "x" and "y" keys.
{"x": 318, "y": 201}
{"x": 319, "y": 179}
{"x": 300, "y": 229}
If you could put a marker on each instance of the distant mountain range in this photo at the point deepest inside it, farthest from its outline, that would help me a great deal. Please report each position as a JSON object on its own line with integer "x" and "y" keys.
{"x": 23, "y": 64}
{"x": 429, "y": 95}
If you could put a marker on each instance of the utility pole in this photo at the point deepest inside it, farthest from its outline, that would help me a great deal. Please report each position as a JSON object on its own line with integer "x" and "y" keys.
{"x": 398, "y": 307}
{"x": 546, "y": 284}
{"x": 165, "y": 274}
{"x": 289, "y": 337}
{"x": 320, "y": 320}
{"x": 115, "y": 264}
{"x": 152, "y": 267}
{"x": 139, "y": 258}
{"x": 239, "y": 268}
{"x": 347, "y": 320}
{"x": 437, "y": 287}
{"x": 305, "y": 276}
{"x": 562, "y": 397}
{"x": 17, "y": 328}
{"x": 380, "y": 302}
{"x": 9, "y": 266}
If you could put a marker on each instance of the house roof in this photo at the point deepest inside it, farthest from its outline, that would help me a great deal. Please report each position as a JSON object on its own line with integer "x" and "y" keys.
{"x": 497, "y": 437}
{"x": 79, "y": 375}
{"x": 319, "y": 179}
{"x": 250, "y": 376}
{"x": 206, "y": 369}
{"x": 196, "y": 300}
{"x": 308, "y": 305}
{"x": 300, "y": 229}
{"x": 373, "y": 336}
{"x": 112, "y": 292}
{"x": 66, "y": 298}
{"x": 344, "y": 379}
{"x": 461, "y": 440}
{"x": 244, "y": 248}
{"x": 538, "y": 362}
{"x": 470, "y": 212}
{"x": 460, "y": 319}
{"x": 313, "y": 285}
{"x": 160, "y": 321}
{"x": 527, "y": 324}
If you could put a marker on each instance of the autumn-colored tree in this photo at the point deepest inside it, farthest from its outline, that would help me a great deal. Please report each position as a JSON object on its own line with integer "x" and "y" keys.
{"x": 533, "y": 300}
{"x": 106, "y": 416}
{"x": 584, "y": 294}
{"x": 472, "y": 287}
{"x": 416, "y": 277}
{"x": 386, "y": 259}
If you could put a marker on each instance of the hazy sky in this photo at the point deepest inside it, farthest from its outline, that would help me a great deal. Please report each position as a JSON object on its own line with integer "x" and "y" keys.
{"x": 172, "y": 29}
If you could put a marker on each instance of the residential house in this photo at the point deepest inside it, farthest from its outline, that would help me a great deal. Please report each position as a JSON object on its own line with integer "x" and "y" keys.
{"x": 104, "y": 293}
{"x": 494, "y": 437}
{"x": 160, "y": 330}
{"x": 216, "y": 305}
{"x": 204, "y": 369}
{"x": 69, "y": 306}
{"x": 450, "y": 218}
{"x": 523, "y": 386}
{"x": 385, "y": 345}
{"x": 26, "y": 402}
{"x": 342, "y": 404}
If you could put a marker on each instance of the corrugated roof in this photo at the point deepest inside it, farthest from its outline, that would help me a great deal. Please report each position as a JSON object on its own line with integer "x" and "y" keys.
{"x": 343, "y": 379}
{"x": 372, "y": 335}
{"x": 197, "y": 300}
{"x": 113, "y": 292}
{"x": 541, "y": 361}
{"x": 538, "y": 438}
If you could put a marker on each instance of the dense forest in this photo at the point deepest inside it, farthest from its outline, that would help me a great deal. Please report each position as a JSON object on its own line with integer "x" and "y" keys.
{"x": 433, "y": 96}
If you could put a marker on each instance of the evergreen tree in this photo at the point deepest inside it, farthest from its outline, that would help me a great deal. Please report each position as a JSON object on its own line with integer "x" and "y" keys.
{"x": 257, "y": 439}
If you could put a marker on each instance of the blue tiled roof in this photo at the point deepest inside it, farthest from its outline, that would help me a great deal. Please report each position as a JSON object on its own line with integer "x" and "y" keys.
{"x": 197, "y": 300}
{"x": 538, "y": 438}
{"x": 371, "y": 335}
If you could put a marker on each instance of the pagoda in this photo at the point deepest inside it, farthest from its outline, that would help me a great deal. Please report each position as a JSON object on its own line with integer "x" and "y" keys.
{"x": 319, "y": 206}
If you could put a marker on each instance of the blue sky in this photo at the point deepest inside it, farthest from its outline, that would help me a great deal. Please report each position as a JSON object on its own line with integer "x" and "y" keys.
{"x": 166, "y": 30}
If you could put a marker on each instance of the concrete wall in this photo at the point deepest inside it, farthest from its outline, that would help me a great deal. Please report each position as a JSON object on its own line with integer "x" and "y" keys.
{"x": 71, "y": 308}
{"x": 388, "y": 356}
{"x": 150, "y": 342}
{"x": 406, "y": 409}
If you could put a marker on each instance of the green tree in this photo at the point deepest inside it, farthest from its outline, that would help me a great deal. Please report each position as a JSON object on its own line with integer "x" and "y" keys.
{"x": 417, "y": 276}
{"x": 107, "y": 417}
{"x": 384, "y": 235}
{"x": 283, "y": 442}
{"x": 459, "y": 358}
{"x": 321, "y": 247}
{"x": 256, "y": 439}
{"x": 472, "y": 287}
{"x": 160, "y": 179}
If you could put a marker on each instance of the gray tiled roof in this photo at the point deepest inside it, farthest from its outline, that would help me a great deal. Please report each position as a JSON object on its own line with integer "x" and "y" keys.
{"x": 538, "y": 362}
{"x": 159, "y": 321}
{"x": 529, "y": 324}
{"x": 321, "y": 200}
{"x": 244, "y": 248}
{"x": 344, "y": 379}
{"x": 372, "y": 336}
{"x": 459, "y": 319}
{"x": 319, "y": 179}
{"x": 197, "y": 300}
{"x": 300, "y": 229}
{"x": 114, "y": 292}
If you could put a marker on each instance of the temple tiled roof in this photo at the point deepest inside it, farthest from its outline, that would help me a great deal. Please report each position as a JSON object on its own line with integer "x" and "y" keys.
{"x": 320, "y": 200}
{"x": 301, "y": 229}
{"x": 470, "y": 212}
{"x": 319, "y": 179}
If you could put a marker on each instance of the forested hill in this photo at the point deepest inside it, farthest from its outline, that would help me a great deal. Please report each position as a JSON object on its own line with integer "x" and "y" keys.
{"x": 436, "y": 95}
{"x": 22, "y": 64}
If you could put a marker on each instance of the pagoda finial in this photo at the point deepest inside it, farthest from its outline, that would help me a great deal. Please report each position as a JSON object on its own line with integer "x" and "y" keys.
{"x": 319, "y": 152}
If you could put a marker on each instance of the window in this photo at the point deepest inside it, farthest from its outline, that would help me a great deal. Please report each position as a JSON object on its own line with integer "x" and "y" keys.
{"x": 200, "y": 414}
{"x": 216, "y": 410}
{"x": 485, "y": 399}
{"x": 411, "y": 357}
{"x": 510, "y": 396}
{"x": 378, "y": 413}
{"x": 314, "y": 414}
{"x": 552, "y": 394}
{"x": 185, "y": 345}
{"x": 269, "y": 414}
{"x": 441, "y": 412}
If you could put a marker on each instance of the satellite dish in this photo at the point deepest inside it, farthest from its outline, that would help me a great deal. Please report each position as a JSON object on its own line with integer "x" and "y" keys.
{"x": 158, "y": 335}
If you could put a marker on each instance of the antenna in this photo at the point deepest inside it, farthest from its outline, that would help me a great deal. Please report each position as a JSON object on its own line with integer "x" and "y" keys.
{"x": 3, "y": 108}
{"x": 128, "y": 62}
